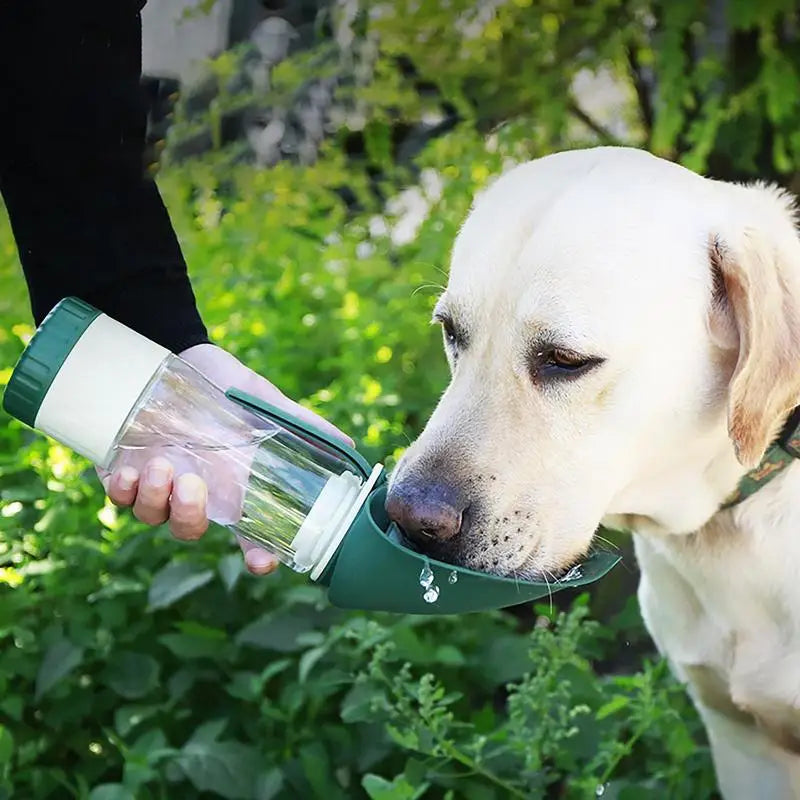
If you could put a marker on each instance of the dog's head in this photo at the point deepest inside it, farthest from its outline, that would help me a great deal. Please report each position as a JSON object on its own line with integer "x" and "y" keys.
{"x": 624, "y": 339}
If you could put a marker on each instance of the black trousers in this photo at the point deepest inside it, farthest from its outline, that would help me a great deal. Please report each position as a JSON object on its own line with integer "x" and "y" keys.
{"x": 86, "y": 219}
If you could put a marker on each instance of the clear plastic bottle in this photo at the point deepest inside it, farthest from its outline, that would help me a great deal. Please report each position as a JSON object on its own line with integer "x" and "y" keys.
{"x": 263, "y": 480}
{"x": 119, "y": 399}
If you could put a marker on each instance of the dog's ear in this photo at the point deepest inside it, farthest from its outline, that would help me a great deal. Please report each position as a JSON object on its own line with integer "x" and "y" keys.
{"x": 756, "y": 284}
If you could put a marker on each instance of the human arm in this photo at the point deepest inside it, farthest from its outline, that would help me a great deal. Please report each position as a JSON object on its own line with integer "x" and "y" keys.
{"x": 86, "y": 219}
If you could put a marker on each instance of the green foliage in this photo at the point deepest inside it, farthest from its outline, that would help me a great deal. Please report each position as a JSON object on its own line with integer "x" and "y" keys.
{"x": 134, "y": 667}
{"x": 116, "y": 687}
{"x": 714, "y": 86}
{"x": 560, "y": 721}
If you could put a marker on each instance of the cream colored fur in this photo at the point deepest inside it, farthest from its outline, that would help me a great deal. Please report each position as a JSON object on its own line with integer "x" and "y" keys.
{"x": 690, "y": 290}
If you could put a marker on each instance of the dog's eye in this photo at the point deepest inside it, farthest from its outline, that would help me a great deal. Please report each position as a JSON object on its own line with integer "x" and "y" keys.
{"x": 560, "y": 363}
{"x": 451, "y": 337}
{"x": 449, "y": 333}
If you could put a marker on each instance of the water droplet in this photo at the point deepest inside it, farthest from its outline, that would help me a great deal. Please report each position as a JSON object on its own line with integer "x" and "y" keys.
{"x": 600, "y": 790}
{"x": 573, "y": 575}
{"x": 453, "y": 578}
{"x": 431, "y": 594}
{"x": 426, "y": 577}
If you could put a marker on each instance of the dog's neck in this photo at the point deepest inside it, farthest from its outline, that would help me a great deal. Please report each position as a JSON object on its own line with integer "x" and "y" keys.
{"x": 678, "y": 497}
{"x": 684, "y": 498}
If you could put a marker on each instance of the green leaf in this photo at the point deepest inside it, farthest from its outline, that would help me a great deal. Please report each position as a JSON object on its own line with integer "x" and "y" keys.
{"x": 505, "y": 658}
{"x": 111, "y": 791}
{"x": 447, "y": 654}
{"x": 274, "y": 668}
{"x": 180, "y": 683}
{"x": 12, "y": 705}
{"x": 126, "y": 718}
{"x": 228, "y": 769}
{"x": 132, "y": 675}
{"x": 185, "y": 645}
{"x": 231, "y": 568}
{"x": 317, "y": 769}
{"x": 378, "y": 142}
{"x": 6, "y": 745}
{"x": 118, "y": 585}
{"x": 175, "y": 581}
{"x": 398, "y": 789}
{"x": 480, "y": 791}
{"x": 269, "y": 784}
{"x": 150, "y": 743}
{"x": 209, "y": 732}
{"x": 358, "y": 702}
{"x": 138, "y": 773}
{"x": 278, "y": 631}
{"x": 615, "y": 704}
{"x": 244, "y": 686}
{"x": 308, "y": 660}
{"x": 60, "y": 659}
{"x": 144, "y": 761}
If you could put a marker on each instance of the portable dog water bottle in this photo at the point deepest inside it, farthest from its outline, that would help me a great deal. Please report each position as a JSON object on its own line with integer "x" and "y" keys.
{"x": 117, "y": 398}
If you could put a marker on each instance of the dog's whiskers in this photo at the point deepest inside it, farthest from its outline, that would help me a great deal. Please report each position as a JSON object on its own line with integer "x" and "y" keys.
{"x": 606, "y": 541}
{"x": 545, "y": 573}
{"x": 431, "y": 264}
{"x": 436, "y": 286}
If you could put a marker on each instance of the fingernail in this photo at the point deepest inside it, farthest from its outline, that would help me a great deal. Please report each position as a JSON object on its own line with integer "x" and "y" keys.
{"x": 259, "y": 561}
{"x": 190, "y": 489}
{"x": 127, "y": 477}
{"x": 158, "y": 474}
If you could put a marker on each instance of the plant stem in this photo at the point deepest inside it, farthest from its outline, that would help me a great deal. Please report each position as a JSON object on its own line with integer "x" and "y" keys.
{"x": 466, "y": 761}
{"x": 628, "y": 747}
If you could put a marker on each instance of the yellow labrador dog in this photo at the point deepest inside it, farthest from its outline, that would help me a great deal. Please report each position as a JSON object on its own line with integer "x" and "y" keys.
{"x": 624, "y": 337}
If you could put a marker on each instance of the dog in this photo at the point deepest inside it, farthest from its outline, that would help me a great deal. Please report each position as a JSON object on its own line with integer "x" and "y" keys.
{"x": 624, "y": 342}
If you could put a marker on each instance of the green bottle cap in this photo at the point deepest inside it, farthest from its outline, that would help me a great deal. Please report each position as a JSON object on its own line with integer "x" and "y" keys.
{"x": 44, "y": 356}
{"x": 80, "y": 377}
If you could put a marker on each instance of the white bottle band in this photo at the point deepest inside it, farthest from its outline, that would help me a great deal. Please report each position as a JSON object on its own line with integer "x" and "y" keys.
{"x": 97, "y": 387}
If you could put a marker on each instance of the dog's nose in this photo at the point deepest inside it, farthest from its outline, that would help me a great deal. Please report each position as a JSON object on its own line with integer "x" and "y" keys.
{"x": 428, "y": 513}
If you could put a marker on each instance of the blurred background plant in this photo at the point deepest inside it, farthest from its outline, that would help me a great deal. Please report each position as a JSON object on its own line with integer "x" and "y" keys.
{"x": 317, "y": 169}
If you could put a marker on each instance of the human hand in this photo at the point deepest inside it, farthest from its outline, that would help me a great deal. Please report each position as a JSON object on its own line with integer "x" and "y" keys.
{"x": 157, "y": 497}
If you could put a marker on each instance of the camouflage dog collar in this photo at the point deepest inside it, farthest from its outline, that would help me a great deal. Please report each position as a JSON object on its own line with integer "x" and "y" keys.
{"x": 784, "y": 450}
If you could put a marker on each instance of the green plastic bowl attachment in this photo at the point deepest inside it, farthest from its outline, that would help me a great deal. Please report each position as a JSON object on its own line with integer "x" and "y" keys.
{"x": 373, "y": 571}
